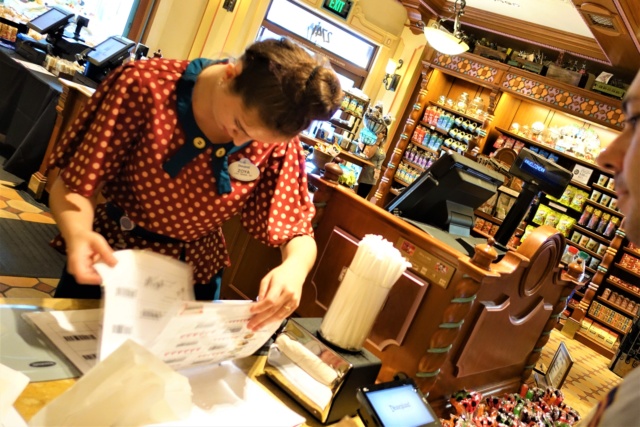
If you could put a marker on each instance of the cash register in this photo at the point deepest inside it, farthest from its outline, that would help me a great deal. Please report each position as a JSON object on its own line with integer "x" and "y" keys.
{"x": 103, "y": 58}
{"x": 58, "y": 42}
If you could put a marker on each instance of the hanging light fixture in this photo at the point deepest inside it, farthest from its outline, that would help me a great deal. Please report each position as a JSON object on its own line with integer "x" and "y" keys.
{"x": 442, "y": 40}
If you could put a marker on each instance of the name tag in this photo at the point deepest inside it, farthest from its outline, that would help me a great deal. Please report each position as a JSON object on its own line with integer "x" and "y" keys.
{"x": 244, "y": 170}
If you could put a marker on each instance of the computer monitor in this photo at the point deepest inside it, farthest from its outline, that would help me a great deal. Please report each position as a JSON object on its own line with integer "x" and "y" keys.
{"x": 53, "y": 20}
{"x": 446, "y": 195}
{"x": 112, "y": 51}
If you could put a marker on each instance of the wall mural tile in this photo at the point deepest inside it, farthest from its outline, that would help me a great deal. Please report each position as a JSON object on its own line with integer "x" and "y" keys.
{"x": 565, "y": 100}
{"x": 468, "y": 67}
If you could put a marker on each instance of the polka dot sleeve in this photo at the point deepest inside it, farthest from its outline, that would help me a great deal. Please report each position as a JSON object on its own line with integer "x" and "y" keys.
{"x": 93, "y": 148}
{"x": 280, "y": 208}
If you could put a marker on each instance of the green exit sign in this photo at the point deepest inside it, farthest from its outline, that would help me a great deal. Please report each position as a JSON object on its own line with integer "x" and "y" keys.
{"x": 338, "y": 7}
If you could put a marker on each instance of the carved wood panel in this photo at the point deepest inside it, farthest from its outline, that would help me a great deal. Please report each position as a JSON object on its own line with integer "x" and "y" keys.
{"x": 404, "y": 299}
{"x": 490, "y": 331}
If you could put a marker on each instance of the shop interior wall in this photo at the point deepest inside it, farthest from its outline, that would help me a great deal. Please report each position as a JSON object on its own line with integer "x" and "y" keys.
{"x": 174, "y": 27}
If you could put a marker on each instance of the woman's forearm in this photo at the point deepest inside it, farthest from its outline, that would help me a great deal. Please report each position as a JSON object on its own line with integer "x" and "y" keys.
{"x": 300, "y": 251}
{"x": 73, "y": 212}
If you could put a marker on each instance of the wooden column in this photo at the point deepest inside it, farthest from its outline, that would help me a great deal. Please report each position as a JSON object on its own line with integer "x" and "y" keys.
{"x": 384, "y": 184}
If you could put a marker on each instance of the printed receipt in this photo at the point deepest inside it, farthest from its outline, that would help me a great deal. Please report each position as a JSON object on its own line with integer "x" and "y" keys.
{"x": 148, "y": 298}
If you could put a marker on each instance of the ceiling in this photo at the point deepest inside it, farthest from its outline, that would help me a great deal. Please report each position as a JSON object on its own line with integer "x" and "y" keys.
{"x": 603, "y": 33}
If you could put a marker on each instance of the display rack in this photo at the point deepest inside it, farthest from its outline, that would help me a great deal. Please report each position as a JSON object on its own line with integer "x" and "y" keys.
{"x": 349, "y": 115}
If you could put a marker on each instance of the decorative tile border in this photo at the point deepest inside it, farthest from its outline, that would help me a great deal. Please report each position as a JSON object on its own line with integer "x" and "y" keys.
{"x": 565, "y": 100}
{"x": 467, "y": 67}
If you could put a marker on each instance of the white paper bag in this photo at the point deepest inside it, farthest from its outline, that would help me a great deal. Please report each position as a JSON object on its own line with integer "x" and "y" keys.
{"x": 131, "y": 387}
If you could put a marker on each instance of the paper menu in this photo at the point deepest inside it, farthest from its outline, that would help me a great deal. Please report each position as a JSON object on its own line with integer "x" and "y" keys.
{"x": 74, "y": 332}
{"x": 138, "y": 294}
{"x": 207, "y": 333}
{"x": 148, "y": 298}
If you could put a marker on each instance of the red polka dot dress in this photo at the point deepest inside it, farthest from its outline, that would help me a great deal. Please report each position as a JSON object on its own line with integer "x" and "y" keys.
{"x": 123, "y": 137}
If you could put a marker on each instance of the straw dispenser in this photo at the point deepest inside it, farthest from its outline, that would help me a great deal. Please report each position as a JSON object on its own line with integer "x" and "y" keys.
{"x": 321, "y": 363}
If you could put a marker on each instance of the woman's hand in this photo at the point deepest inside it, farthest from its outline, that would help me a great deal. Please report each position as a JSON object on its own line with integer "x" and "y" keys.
{"x": 281, "y": 288}
{"x": 84, "y": 249}
{"x": 280, "y": 292}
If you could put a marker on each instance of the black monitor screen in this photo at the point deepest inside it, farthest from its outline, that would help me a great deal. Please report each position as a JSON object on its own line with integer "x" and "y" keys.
{"x": 50, "y": 21}
{"x": 446, "y": 195}
{"x": 109, "y": 51}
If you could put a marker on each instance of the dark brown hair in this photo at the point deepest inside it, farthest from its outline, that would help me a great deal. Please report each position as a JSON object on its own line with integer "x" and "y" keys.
{"x": 286, "y": 86}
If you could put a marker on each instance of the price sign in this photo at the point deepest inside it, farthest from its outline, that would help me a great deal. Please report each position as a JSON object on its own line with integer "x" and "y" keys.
{"x": 340, "y": 8}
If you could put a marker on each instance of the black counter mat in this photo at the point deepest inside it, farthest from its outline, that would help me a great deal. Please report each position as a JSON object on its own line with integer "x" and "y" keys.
{"x": 25, "y": 250}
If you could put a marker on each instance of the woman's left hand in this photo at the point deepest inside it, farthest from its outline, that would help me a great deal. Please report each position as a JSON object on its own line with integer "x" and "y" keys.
{"x": 280, "y": 292}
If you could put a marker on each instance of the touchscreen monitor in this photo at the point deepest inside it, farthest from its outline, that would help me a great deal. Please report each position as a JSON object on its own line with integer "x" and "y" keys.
{"x": 396, "y": 403}
{"x": 111, "y": 51}
{"x": 50, "y": 21}
{"x": 446, "y": 195}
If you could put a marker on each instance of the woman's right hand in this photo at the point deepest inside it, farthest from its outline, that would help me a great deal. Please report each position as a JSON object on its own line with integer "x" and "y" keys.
{"x": 84, "y": 249}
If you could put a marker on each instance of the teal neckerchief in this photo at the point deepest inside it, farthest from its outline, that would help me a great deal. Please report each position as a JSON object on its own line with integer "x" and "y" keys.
{"x": 196, "y": 141}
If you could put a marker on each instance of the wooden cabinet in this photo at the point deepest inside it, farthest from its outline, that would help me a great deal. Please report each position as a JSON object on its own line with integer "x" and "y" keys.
{"x": 516, "y": 96}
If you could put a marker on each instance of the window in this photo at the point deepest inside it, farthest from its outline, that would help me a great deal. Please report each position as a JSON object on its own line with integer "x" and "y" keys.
{"x": 351, "y": 56}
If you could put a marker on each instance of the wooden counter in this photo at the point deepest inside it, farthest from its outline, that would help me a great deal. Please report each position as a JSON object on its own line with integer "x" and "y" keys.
{"x": 451, "y": 321}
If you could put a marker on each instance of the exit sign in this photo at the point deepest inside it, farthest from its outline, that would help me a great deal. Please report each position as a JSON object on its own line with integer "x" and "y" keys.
{"x": 338, "y": 7}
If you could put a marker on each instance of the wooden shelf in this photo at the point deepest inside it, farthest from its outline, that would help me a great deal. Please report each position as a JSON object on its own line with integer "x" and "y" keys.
{"x": 580, "y": 185}
{"x": 413, "y": 165}
{"x": 399, "y": 181}
{"x": 351, "y": 113}
{"x": 604, "y": 189}
{"x": 617, "y": 307}
{"x": 425, "y": 148}
{"x": 552, "y": 150}
{"x": 582, "y": 248}
{"x": 441, "y": 131}
{"x": 594, "y": 345}
{"x": 341, "y": 126}
{"x": 624, "y": 288}
{"x": 623, "y": 268}
{"x": 488, "y": 217}
{"x": 607, "y": 325}
{"x": 604, "y": 208}
{"x": 482, "y": 233}
{"x": 590, "y": 270}
{"x": 590, "y": 233}
{"x": 580, "y": 294}
{"x": 631, "y": 251}
{"x": 555, "y": 204}
{"x": 457, "y": 113}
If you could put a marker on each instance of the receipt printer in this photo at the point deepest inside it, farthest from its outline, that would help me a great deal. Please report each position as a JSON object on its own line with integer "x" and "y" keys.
{"x": 321, "y": 378}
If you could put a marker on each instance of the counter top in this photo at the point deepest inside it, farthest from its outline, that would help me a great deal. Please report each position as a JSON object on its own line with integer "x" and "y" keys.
{"x": 37, "y": 394}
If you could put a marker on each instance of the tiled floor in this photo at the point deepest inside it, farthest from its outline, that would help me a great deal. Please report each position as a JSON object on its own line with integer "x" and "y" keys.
{"x": 588, "y": 380}
{"x": 13, "y": 206}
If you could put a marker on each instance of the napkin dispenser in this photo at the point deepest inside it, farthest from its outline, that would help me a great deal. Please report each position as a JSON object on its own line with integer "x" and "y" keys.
{"x": 322, "y": 379}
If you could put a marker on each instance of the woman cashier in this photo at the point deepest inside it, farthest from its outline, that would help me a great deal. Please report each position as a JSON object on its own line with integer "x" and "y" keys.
{"x": 177, "y": 148}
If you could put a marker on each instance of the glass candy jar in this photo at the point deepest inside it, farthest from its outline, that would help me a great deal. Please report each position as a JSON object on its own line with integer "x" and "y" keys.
{"x": 476, "y": 107}
{"x": 462, "y": 102}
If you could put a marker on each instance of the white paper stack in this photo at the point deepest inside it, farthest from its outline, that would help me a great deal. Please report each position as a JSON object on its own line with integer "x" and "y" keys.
{"x": 375, "y": 268}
